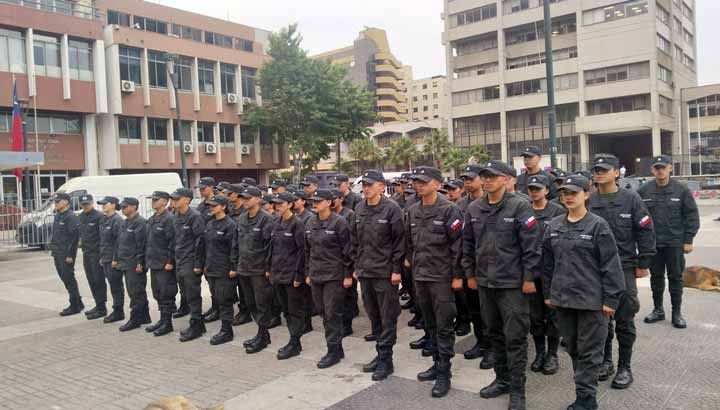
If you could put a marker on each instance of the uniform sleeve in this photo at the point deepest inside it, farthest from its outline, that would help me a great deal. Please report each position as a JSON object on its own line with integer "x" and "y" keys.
{"x": 116, "y": 228}
{"x": 200, "y": 252}
{"x": 644, "y": 232}
{"x": 267, "y": 246}
{"x": 468, "y": 245}
{"x": 140, "y": 241}
{"x": 344, "y": 238}
{"x": 398, "y": 239}
{"x": 170, "y": 231}
{"x": 690, "y": 216}
{"x": 548, "y": 262}
{"x": 299, "y": 236}
{"x": 354, "y": 241}
{"x": 73, "y": 228}
{"x": 409, "y": 245}
{"x": 453, "y": 226}
{"x": 613, "y": 278}
{"x": 234, "y": 249}
{"x": 528, "y": 228}
{"x": 198, "y": 229}
{"x": 306, "y": 229}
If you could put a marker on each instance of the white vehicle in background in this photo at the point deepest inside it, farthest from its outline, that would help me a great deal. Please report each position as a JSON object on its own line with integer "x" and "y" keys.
{"x": 357, "y": 186}
{"x": 35, "y": 227}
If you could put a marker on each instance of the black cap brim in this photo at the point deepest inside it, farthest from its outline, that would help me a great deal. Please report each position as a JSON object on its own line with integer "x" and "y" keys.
{"x": 247, "y": 196}
{"x": 86, "y": 202}
{"x": 570, "y": 187}
{"x": 423, "y": 178}
{"x": 530, "y": 154}
{"x": 660, "y": 164}
{"x": 537, "y": 185}
{"x": 471, "y": 175}
{"x": 369, "y": 180}
{"x": 278, "y": 201}
{"x": 493, "y": 171}
{"x": 317, "y": 198}
{"x": 102, "y": 202}
{"x": 603, "y": 166}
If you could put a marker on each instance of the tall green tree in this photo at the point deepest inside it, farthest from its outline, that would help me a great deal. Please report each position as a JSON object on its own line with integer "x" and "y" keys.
{"x": 403, "y": 151}
{"x": 366, "y": 152}
{"x": 456, "y": 159}
{"x": 436, "y": 146}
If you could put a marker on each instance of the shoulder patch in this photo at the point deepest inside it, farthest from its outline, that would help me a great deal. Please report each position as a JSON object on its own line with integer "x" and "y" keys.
{"x": 530, "y": 222}
{"x": 645, "y": 221}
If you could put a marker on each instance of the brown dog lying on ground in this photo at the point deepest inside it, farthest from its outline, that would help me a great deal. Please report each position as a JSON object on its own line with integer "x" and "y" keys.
{"x": 177, "y": 403}
{"x": 700, "y": 277}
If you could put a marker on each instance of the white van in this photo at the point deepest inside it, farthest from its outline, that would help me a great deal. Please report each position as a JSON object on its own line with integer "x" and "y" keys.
{"x": 357, "y": 186}
{"x": 35, "y": 227}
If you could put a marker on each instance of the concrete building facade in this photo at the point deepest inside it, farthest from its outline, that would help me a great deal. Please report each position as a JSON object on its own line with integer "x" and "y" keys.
{"x": 428, "y": 99}
{"x": 619, "y": 70}
{"x": 701, "y": 129}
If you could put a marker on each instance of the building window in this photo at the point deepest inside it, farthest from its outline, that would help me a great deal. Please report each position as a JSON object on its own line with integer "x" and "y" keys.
{"x": 130, "y": 64}
{"x": 12, "y": 51}
{"x": 662, "y": 14}
{"x": 689, "y": 38}
{"x": 479, "y": 130}
{"x": 688, "y": 61}
{"x": 476, "y": 70}
{"x": 205, "y": 132}
{"x": 678, "y": 53}
{"x": 80, "y": 56}
{"x": 663, "y": 44}
{"x": 425, "y": 97}
{"x": 435, "y": 106}
{"x": 666, "y": 106}
{"x": 562, "y": 82}
{"x": 435, "y": 96}
{"x": 707, "y": 106}
{"x": 664, "y": 74}
{"x": 475, "y": 96}
{"x": 187, "y": 33}
{"x": 147, "y": 24}
{"x": 247, "y": 75}
{"x": 186, "y": 130}
{"x": 425, "y": 108}
{"x": 616, "y": 105}
{"x": 245, "y": 45}
{"x": 677, "y": 25}
{"x": 129, "y": 130}
{"x": 46, "y": 51}
{"x": 227, "y": 135}
{"x": 183, "y": 66}
{"x": 687, "y": 11}
{"x": 533, "y": 32}
{"x": 475, "y": 45}
{"x": 157, "y": 131}
{"x": 615, "y": 12}
{"x": 424, "y": 86}
{"x": 206, "y": 76}
{"x": 415, "y": 109}
{"x": 157, "y": 67}
{"x": 534, "y": 59}
{"x": 227, "y": 78}
{"x": 49, "y": 123}
{"x": 119, "y": 18}
{"x": 474, "y": 15}
{"x": 618, "y": 73}
{"x": 218, "y": 39}
{"x": 414, "y": 98}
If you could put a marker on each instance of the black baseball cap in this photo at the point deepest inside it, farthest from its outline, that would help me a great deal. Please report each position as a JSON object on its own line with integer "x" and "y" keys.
{"x": 532, "y": 151}
{"x": 555, "y": 172}
{"x": 278, "y": 183}
{"x": 606, "y": 162}
{"x": 661, "y": 161}
{"x": 283, "y": 197}
{"x": 108, "y": 200}
{"x": 205, "y": 182}
{"x": 265, "y": 199}
{"x": 497, "y": 168}
{"x": 250, "y": 192}
{"x": 372, "y": 176}
{"x": 539, "y": 181}
{"x": 159, "y": 195}
{"x": 513, "y": 171}
{"x": 300, "y": 194}
{"x": 322, "y": 195}
{"x": 342, "y": 178}
{"x": 575, "y": 183}
{"x": 249, "y": 181}
{"x": 427, "y": 174}
{"x": 442, "y": 190}
{"x": 182, "y": 192}
{"x": 454, "y": 184}
{"x": 62, "y": 196}
{"x": 218, "y": 200}
{"x": 586, "y": 174}
{"x": 129, "y": 201}
{"x": 559, "y": 175}
{"x": 86, "y": 199}
{"x": 338, "y": 193}
{"x": 471, "y": 171}
{"x": 310, "y": 179}
{"x": 236, "y": 188}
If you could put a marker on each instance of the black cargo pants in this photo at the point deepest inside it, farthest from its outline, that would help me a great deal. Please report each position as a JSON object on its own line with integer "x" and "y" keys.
{"x": 136, "y": 284}
{"x": 191, "y": 283}
{"x": 329, "y": 298}
{"x": 623, "y": 324}
{"x": 382, "y": 305}
{"x": 436, "y": 300}
{"x": 95, "y": 278}
{"x": 66, "y": 271}
{"x": 225, "y": 296}
{"x": 672, "y": 260}
{"x": 293, "y": 304}
{"x": 543, "y": 320}
{"x": 258, "y": 289}
{"x": 164, "y": 289}
{"x": 117, "y": 287}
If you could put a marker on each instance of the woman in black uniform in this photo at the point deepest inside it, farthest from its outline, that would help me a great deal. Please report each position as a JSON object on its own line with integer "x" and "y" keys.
{"x": 329, "y": 270}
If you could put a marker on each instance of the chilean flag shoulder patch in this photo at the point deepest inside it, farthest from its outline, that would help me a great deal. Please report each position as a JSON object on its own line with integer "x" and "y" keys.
{"x": 530, "y": 222}
{"x": 455, "y": 225}
{"x": 644, "y": 221}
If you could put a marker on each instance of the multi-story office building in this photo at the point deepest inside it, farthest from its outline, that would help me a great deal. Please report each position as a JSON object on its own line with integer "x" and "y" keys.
{"x": 97, "y": 73}
{"x": 619, "y": 67}
{"x": 428, "y": 99}
{"x": 701, "y": 129}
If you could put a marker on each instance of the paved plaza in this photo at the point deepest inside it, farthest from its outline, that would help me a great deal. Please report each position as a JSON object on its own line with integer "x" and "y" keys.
{"x": 49, "y": 362}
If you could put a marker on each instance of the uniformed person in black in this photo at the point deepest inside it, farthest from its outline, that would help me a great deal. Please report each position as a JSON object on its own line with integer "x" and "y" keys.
{"x": 90, "y": 221}
{"x": 378, "y": 249}
{"x": 63, "y": 246}
{"x": 455, "y": 190}
{"x": 300, "y": 206}
{"x": 287, "y": 271}
{"x": 632, "y": 227}
{"x": 189, "y": 228}
{"x": 215, "y": 260}
{"x": 266, "y": 205}
{"x": 160, "y": 259}
{"x": 130, "y": 260}
{"x": 235, "y": 208}
{"x": 351, "y": 299}
{"x": 583, "y": 280}
{"x": 500, "y": 258}
{"x": 310, "y": 184}
{"x": 109, "y": 234}
{"x": 329, "y": 270}
{"x": 350, "y": 199}
{"x": 532, "y": 155}
{"x": 434, "y": 228}
{"x": 399, "y": 186}
{"x": 543, "y": 320}
{"x": 677, "y": 221}
{"x": 206, "y": 187}
{"x": 252, "y": 249}
{"x": 511, "y": 185}
{"x": 278, "y": 186}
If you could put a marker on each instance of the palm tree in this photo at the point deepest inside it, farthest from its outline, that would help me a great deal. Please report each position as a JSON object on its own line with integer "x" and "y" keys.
{"x": 403, "y": 151}
{"x": 436, "y": 145}
{"x": 365, "y": 151}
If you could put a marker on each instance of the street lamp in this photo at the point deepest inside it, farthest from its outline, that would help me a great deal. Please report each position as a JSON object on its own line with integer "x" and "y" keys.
{"x": 174, "y": 75}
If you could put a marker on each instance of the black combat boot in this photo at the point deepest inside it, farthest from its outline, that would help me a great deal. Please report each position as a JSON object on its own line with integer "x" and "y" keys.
{"x": 333, "y": 357}
{"x": 431, "y": 373}
{"x": 292, "y": 349}
{"x": 347, "y": 328}
{"x": 182, "y": 311}
{"x": 657, "y": 315}
{"x": 165, "y": 325}
{"x": 211, "y": 315}
{"x": 517, "y": 393}
{"x": 677, "y": 320}
{"x": 495, "y": 389}
{"x": 419, "y": 344}
{"x": 115, "y": 316}
{"x": 224, "y": 335}
{"x": 384, "y": 367}
{"x": 196, "y": 330}
{"x": 624, "y": 378}
{"x": 607, "y": 368}
{"x": 275, "y": 322}
{"x": 488, "y": 360}
{"x": 132, "y": 323}
{"x": 308, "y": 325}
{"x": 144, "y": 316}
{"x": 76, "y": 306}
{"x": 442, "y": 383}
{"x": 420, "y": 324}
{"x": 91, "y": 311}
{"x": 414, "y": 320}
{"x": 156, "y": 325}
{"x": 252, "y": 340}
{"x": 539, "y": 362}
{"x": 475, "y": 352}
{"x": 370, "y": 337}
{"x": 552, "y": 364}
{"x": 370, "y": 367}
{"x": 261, "y": 342}
{"x": 462, "y": 328}
{"x": 96, "y": 313}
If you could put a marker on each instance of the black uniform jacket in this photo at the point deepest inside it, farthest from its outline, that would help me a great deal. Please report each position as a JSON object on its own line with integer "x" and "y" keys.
{"x": 630, "y": 223}
{"x": 109, "y": 234}
{"x": 160, "y": 247}
{"x": 500, "y": 242}
{"x": 328, "y": 249}
{"x": 347, "y": 213}
{"x": 674, "y": 212}
{"x": 65, "y": 234}
{"x": 434, "y": 240}
{"x": 399, "y": 199}
{"x": 581, "y": 267}
{"x": 351, "y": 200}
{"x": 287, "y": 253}
{"x": 378, "y": 239}
{"x": 189, "y": 228}
{"x": 544, "y": 216}
{"x": 522, "y": 183}
{"x": 234, "y": 213}
{"x": 131, "y": 243}
{"x": 90, "y": 231}
{"x": 252, "y": 243}
{"x": 305, "y": 216}
{"x": 215, "y": 252}
{"x": 204, "y": 209}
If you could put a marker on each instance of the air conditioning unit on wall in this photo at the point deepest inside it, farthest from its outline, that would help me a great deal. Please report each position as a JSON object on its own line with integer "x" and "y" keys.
{"x": 245, "y": 149}
{"x": 127, "y": 86}
{"x": 232, "y": 98}
{"x": 188, "y": 147}
{"x": 210, "y": 148}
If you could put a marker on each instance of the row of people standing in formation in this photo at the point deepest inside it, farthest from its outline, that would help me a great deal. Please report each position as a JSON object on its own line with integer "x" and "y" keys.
{"x": 518, "y": 264}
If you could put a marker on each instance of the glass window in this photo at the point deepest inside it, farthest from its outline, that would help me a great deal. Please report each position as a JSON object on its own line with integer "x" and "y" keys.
{"x": 12, "y": 51}
{"x": 184, "y": 69}
{"x": 206, "y": 76}
{"x": 129, "y": 130}
{"x": 662, "y": 14}
{"x": 616, "y": 105}
{"x": 218, "y": 39}
{"x": 186, "y": 129}
{"x": 80, "y": 59}
{"x": 664, "y": 74}
{"x": 205, "y": 132}
{"x": 130, "y": 64}
{"x": 46, "y": 51}
{"x": 677, "y": 25}
{"x": 689, "y": 38}
{"x": 666, "y": 106}
{"x": 227, "y": 135}
{"x": 531, "y": 32}
{"x": 157, "y": 68}
{"x": 615, "y": 12}
{"x": 475, "y": 45}
{"x": 244, "y": 45}
{"x": 663, "y": 44}
{"x": 617, "y": 73}
{"x": 472, "y": 16}
{"x": 227, "y": 78}
{"x": 157, "y": 131}
{"x": 474, "y": 96}
{"x": 119, "y": 18}
{"x": 187, "y": 33}
{"x": 148, "y": 24}
{"x": 247, "y": 75}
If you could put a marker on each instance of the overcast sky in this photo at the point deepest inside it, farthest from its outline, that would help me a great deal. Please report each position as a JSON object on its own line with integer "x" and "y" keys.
{"x": 413, "y": 26}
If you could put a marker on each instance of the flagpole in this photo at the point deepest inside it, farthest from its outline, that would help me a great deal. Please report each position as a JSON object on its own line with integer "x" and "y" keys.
{"x": 38, "y": 194}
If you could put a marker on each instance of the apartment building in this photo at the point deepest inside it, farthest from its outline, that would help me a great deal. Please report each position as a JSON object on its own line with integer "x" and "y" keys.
{"x": 97, "y": 72}
{"x": 701, "y": 129}
{"x": 619, "y": 70}
{"x": 428, "y": 99}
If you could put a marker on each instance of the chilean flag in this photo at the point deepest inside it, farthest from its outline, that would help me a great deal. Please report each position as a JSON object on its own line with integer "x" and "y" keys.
{"x": 530, "y": 222}
{"x": 644, "y": 221}
{"x": 17, "y": 132}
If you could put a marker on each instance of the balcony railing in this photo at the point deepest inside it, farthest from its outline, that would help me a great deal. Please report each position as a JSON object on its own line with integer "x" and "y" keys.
{"x": 66, "y": 7}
